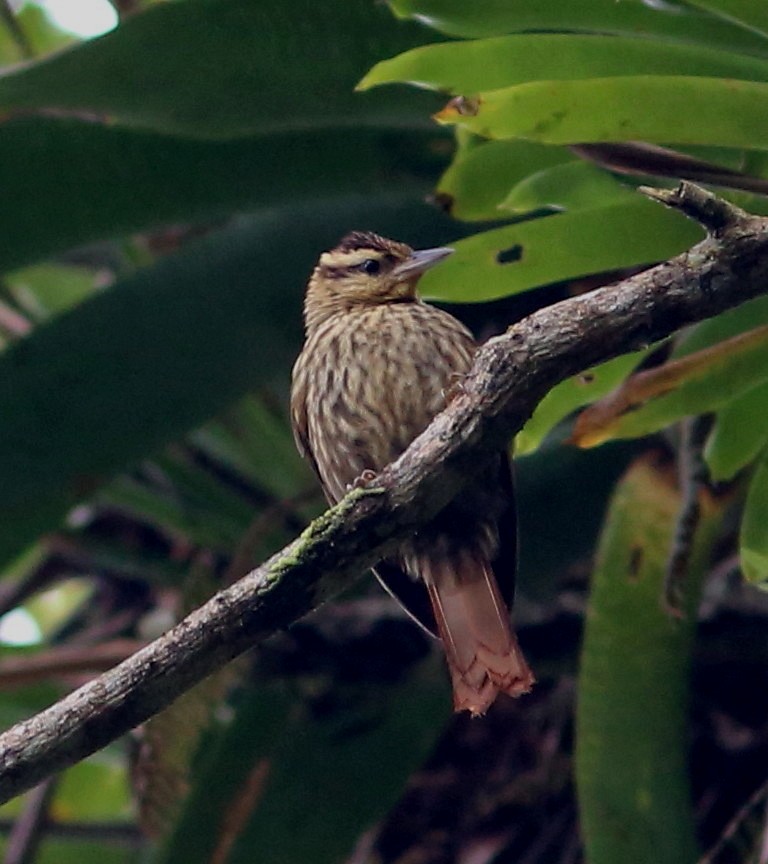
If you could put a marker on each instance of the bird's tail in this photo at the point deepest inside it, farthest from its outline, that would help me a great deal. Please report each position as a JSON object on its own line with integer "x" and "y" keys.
{"x": 483, "y": 656}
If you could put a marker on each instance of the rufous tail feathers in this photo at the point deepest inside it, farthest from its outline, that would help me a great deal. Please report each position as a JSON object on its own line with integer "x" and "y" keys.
{"x": 483, "y": 656}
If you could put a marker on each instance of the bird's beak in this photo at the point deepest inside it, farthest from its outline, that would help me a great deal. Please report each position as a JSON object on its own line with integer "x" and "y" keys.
{"x": 420, "y": 261}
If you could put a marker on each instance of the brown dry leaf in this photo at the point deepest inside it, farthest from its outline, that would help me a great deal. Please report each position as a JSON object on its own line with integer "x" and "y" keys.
{"x": 600, "y": 421}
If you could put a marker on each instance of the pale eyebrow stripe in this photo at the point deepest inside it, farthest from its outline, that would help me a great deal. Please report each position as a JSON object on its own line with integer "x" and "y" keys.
{"x": 347, "y": 259}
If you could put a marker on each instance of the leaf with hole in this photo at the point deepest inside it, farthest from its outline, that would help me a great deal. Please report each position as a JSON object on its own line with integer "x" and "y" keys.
{"x": 559, "y": 247}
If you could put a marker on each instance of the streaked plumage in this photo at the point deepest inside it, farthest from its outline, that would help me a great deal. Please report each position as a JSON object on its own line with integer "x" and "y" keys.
{"x": 375, "y": 369}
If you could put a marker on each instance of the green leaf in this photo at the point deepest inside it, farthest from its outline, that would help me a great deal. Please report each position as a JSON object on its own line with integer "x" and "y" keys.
{"x": 739, "y": 433}
{"x": 570, "y": 395}
{"x": 747, "y": 12}
{"x": 480, "y": 176}
{"x": 747, "y": 316}
{"x": 95, "y": 790}
{"x": 673, "y": 21}
{"x": 208, "y": 68}
{"x": 679, "y": 110}
{"x": 572, "y": 186}
{"x": 563, "y": 246}
{"x": 753, "y": 537}
{"x": 73, "y": 182}
{"x": 718, "y": 375}
{"x": 633, "y": 682}
{"x": 481, "y": 65}
{"x": 156, "y": 355}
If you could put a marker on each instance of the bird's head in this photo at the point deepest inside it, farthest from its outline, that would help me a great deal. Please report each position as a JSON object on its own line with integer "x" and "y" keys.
{"x": 366, "y": 269}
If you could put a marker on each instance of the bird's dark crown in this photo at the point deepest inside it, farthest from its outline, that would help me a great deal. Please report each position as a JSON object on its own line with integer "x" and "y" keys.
{"x": 357, "y": 251}
{"x": 369, "y": 241}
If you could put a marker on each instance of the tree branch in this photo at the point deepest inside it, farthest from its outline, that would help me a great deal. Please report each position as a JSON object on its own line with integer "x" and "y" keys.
{"x": 510, "y": 375}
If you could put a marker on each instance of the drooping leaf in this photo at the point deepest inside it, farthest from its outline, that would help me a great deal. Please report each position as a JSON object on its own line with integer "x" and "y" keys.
{"x": 72, "y": 182}
{"x": 739, "y": 433}
{"x": 685, "y": 110}
{"x": 480, "y": 65}
{"x": 217, "y": 77}
{"x": 687, "y": 386}
{"x": 517, "y": 257}
{"x": 633, "y": 681}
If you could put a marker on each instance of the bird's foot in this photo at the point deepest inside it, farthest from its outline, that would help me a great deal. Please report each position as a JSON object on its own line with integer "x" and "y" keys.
{"x": 455, "y": 387}
{"x": 363, "y": 480}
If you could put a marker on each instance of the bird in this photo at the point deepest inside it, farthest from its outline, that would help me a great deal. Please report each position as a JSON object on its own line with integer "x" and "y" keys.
{"x": 377, "y": 365}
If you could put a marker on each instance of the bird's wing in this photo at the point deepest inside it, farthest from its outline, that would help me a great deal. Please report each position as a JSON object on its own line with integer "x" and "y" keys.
{"x": 300, "y": 424}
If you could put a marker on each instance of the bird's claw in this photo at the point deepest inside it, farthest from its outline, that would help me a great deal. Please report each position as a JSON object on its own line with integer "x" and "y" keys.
{"x": 363, "y": 480}
{"x": 455, "y": 387}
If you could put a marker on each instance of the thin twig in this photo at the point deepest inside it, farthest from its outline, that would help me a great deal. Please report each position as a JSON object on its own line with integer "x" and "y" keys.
{"x": 693, "y": 474}
{"x": 28, "y": 830}
{"x": 510, "y": 375}
{"x": 65, "y": 660}
{"x": 758, "y": 797}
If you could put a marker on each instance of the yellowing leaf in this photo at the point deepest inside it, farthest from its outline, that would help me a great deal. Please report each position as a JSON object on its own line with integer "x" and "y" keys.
{"x": 694, "y": 384}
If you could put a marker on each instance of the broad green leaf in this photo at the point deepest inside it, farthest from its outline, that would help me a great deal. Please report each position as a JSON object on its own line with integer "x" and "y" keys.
{"x": 632, "y": 723}
{"x": 156, "y": 355}
{"x": 570, "y": 395}
{"x": 554, "y": 248}
{"x": 671, "y": 20}
{"x": 572, "y": 186}
{"x": 695, "y": 384}
{"x": 225, "y": 68}
{"x": 754, "y": 527}
{"x": 739, "y": 434}
{"x": 479, "y": 177}
{"x": 74, "y": 182}
{"x": 480, "y": 65}
{"x": 751, "y": 13}
{"x": 680, "y": 110}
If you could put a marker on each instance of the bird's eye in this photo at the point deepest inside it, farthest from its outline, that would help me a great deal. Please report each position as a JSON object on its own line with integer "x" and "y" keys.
{"x": 371, "y": 266}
